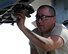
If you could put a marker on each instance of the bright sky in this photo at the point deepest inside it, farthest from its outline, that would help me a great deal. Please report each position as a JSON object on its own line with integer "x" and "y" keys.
{"x": 12, "y": 40}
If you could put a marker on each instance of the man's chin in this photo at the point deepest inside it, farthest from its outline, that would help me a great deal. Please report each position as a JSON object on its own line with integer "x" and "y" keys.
{"x": 42, "y": 30}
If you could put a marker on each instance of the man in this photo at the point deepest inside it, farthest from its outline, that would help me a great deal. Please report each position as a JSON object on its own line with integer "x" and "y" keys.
{"x": 48, "y": 37}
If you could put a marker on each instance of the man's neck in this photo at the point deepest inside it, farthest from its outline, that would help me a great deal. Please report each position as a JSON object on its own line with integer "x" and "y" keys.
{"x": 45, "y": 34}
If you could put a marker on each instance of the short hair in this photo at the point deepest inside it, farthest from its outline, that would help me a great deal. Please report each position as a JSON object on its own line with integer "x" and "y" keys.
{"x": 51, "y": 9}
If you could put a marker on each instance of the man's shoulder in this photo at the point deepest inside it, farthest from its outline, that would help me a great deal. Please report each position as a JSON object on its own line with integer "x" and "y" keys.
{"x": 58, "y": 25}
{"x": 58, "y": 28}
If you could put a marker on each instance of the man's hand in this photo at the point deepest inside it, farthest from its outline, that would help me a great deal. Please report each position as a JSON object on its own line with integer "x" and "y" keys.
{"x": 21, "y": 17}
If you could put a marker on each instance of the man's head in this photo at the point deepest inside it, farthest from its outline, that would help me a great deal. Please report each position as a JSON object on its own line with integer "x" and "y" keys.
{"x": 45, "y": 18}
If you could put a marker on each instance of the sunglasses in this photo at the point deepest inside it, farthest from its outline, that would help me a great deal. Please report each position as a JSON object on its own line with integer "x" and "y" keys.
{"x": 43, "y": 17}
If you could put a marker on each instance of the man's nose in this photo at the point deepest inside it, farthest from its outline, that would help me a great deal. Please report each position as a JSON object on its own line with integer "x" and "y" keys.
{"x": 39, "y": 20}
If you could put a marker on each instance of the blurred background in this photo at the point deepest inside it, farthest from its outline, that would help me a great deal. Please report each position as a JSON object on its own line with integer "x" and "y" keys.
{"x": 13, "y": 41}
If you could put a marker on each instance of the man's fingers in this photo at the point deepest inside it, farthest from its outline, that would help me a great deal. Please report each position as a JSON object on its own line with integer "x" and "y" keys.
{"x": 20, "y": 15}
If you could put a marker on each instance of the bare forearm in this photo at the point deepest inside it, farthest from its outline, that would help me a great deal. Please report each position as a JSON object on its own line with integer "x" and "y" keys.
{"x": 37, "y": 40}
{"x": 31, "y": 35}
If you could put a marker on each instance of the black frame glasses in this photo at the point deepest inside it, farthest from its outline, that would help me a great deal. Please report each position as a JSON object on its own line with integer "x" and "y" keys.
{"x": 43, "y": 17}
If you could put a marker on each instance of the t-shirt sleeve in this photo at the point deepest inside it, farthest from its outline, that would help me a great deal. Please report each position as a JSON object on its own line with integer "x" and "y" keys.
{"x": 62, "y": 32}
{"x": 64, "y": 35}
